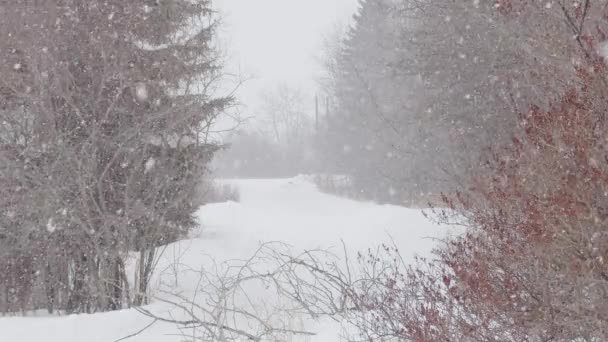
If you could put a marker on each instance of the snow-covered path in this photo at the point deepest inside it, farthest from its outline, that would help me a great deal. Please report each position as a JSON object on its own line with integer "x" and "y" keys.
{"x": 295, "y": 212}
{"x": 288, "y": 210}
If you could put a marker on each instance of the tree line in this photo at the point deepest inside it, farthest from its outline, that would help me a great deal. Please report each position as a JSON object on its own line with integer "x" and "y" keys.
{"x": 421, "y": 89}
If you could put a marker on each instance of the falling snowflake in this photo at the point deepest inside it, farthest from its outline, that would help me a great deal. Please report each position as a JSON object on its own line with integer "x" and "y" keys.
{"x": 149, "y": 165}
{"x": 603, "y": 49}
{"x": 50, "y": 226}
{"x": 141, "y": 92}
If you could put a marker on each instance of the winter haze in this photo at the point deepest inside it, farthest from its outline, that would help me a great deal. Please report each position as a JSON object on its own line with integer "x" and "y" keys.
{"x": 270, "y": 42}
{"x": 303, "y": 170}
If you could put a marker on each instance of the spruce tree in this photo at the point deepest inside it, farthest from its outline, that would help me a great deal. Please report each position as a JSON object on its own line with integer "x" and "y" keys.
{"x": 101, "y": 107}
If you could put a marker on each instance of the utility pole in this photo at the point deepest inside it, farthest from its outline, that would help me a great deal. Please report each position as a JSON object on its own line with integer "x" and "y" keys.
{"x": 327, "y": 112}
{"x": 317, "y": 113}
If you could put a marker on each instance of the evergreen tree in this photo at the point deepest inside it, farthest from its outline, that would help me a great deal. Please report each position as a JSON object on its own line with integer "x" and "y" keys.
{"x": 371, "y": 120}
{"x": 101, "y": 104}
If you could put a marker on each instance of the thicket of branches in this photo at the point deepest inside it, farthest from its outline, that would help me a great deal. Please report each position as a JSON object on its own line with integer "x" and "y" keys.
{"x": 103, "y": 108}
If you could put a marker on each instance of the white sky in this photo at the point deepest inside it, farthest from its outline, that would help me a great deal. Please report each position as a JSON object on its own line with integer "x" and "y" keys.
{"x": 278, "y": 41}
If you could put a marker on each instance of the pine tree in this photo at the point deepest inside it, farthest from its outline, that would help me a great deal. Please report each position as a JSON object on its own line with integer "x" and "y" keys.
{"x": 101, "y": 107}
{"x": 372, "y": 121}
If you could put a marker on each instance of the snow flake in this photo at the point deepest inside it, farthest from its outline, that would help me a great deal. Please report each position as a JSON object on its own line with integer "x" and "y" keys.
{"x": 50, "y": 226}
{"x": 17, "y": 66}
{"x": 149, "y": 165}
{"x": 593, "y": 163}
{"x": 603, "y": 49}
{"x": 141, "y": 92}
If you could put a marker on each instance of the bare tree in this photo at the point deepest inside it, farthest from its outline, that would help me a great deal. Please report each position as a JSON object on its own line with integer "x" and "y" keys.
{"x": 278, "y": 294}
{"x": 272, "y": 295}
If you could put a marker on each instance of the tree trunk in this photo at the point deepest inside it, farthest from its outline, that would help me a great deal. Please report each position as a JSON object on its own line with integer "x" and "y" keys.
{"x": 115, "y": 284}
{"x": 146, "y": 260}
{"x": 49, "y": 287}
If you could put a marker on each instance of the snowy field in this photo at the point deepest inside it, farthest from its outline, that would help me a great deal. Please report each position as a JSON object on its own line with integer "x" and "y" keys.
{"x": 287, "y": 210}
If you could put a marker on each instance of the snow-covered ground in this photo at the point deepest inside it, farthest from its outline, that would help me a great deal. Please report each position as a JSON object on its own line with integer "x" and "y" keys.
{"x": 292, "y": 211}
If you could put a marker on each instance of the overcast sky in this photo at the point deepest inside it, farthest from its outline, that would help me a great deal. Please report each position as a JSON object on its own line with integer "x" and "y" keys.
{"x": 278, "y": 41}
